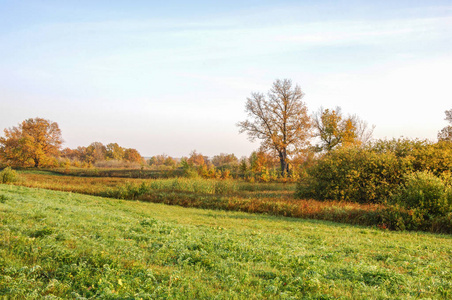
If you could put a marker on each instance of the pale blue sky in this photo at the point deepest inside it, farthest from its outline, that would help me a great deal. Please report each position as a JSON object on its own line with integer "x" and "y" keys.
{"x": 173, "y": 76}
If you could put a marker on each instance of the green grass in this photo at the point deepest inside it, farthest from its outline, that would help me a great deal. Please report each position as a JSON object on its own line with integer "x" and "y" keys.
{"x": 72, "y": 246}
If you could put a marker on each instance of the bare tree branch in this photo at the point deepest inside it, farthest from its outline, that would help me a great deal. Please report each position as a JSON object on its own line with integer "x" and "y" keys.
{"x": 281, "y": 120}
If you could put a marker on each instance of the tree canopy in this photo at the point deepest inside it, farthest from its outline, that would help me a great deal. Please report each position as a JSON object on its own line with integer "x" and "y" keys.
{"x": 279, "y": 120}
{"x": 33, "y": 143}
{"x": 335, "y": 130}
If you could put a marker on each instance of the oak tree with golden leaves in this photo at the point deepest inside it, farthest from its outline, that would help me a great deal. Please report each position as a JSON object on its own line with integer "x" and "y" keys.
{"x": 279, "y": 120}
{"x": 33, "y": 143}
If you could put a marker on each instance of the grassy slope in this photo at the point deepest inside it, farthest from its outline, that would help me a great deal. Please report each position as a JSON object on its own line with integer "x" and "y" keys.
{"x": 70, "y": 245}
{"x": 268, "y": 198}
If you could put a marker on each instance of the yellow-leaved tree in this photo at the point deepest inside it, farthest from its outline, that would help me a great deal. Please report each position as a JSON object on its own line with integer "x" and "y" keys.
{"x": 334, "y": 130}
{"x": 33, "y": 143}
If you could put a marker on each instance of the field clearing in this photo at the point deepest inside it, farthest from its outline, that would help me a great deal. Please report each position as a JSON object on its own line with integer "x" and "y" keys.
{"x": 70, "y": 245}
{"x": 235, "y": 195}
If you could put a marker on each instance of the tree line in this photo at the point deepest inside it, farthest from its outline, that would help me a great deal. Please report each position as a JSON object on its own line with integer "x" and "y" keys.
{"x": 289, "y": 137}
{"x": 36, "y": 142}
{"x": 280, "y": 120}
{"x": 97, "y": 153}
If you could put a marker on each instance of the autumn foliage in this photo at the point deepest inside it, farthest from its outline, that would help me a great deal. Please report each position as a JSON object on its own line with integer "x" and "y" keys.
{"x": 37, "y": 142}
{"x": 33, "y": 143}
{"x": 334, "y": 130}
{"x": 97, "y": 153}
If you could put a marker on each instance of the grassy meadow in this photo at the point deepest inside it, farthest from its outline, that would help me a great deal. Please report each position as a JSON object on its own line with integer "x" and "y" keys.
{"x": 235, "y": 195}
{"x": 64, "y": 245}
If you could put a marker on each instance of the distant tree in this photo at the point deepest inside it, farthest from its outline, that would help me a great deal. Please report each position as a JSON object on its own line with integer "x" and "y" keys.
{"x": 96, "y": 152}
{"x": 152, "y": 161}
{"x": 335, "y": 130}
{"x": 158, "y": 160}
{"x": 224, "y": 160}
{"x": 280, "y": 121}
{"x": 81, "y": 153}
{"x": 133, "y": 155}
{"x": 170, "y": 162}
{"x": 69, "y": 154}
{"x": 34, "y": 143}
{"x": 363, "y": 131}
{"x": 446, "y": 133}
{"x": 162, "y": 160}
{"x": 196, "y": 159}
{"x": 260, "y": 160}
{"x": 243, "y": 167}
{"x": 114, "y": 151}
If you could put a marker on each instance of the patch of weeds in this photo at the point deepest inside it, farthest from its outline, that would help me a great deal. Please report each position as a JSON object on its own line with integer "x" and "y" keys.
{"x": 267, "y": 275}
{"x": 41, "y": 232}
{"x": 3, "y": 198}
{"x": 382, "y": 257}
{"x": 148, "y": 222}
{"x": 61, "y": 237}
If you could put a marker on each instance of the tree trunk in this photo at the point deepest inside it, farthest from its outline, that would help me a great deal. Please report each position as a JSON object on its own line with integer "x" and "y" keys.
{"x": 283, "y": 162}
{"x": 36, "y": 159}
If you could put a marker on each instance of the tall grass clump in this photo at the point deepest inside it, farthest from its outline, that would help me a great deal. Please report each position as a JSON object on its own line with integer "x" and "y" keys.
{"x": 8, "y": 175}
{"x": 190, "y": 185}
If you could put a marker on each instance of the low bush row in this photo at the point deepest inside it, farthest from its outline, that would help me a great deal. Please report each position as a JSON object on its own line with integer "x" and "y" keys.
{"x": 411, "y": 178}
{"x": 372, "y": 174}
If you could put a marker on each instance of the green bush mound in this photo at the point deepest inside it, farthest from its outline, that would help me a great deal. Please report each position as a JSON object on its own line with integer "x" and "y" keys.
{"x": 353, "y": 174}
{"x": 8, "y": 175}
{"x": 373, "y": 173}
{"x": 424, "y": 191}
{"x": 411, "y": 178}
{"x": 423, "y": 202}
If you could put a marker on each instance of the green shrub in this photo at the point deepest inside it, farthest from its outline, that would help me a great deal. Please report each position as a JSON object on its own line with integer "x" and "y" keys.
{"x": 3, "y": 198}
{"x": 446, "y": 177}
{"x": 371, "y": 174}
{"x": 396, "y": 217}
{"x": 129, "y": 191}
{"x": 225, "y": 187}
{"x": 8, "y": 175}
{"x": 191, "y": 173}
{"x": 425, "y": 192}
{"x": 423, "y": 155}
{"x": 353, "y": 174}
{"x": 442, "y": 224}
